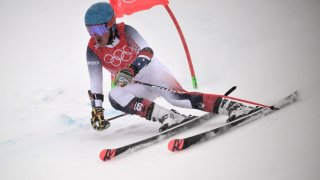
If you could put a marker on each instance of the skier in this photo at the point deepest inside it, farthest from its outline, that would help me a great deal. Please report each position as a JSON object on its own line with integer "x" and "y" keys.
{"x": 121, "y": 50}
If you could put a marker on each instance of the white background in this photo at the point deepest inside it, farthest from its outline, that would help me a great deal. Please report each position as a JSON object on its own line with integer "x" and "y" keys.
{"x": 268, "y": 48}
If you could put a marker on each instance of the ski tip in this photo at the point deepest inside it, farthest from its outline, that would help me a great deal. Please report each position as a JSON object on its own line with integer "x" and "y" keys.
{"x": 107, "y": 154}
{"x": 175, "y": 145}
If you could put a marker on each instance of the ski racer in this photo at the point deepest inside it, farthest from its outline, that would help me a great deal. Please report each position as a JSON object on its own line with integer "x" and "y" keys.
{"x": 121, "y": 50}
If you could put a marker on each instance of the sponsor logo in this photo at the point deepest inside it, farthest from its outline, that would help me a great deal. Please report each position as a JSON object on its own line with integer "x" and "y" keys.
{"x": 93, "y": 63}
{"x": 119, "y": 2}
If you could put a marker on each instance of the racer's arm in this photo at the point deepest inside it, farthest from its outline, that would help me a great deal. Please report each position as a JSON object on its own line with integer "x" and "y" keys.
{"x": 144, "y": 57}
{"x": 96, "y": 91}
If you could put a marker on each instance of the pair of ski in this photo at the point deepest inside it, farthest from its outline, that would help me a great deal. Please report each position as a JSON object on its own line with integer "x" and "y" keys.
{"x": 180, "y": 144}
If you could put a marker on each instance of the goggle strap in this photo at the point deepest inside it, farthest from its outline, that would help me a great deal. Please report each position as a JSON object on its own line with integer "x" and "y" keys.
{"x": 111, "y": 22}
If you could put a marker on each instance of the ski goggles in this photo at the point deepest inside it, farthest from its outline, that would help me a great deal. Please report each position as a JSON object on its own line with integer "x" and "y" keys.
{"x": 101, "y": 29}
{"x": 98, "y": 29}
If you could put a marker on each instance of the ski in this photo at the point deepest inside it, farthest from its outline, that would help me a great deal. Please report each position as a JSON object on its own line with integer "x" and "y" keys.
{"x": 181, "y": 144}
{"x": 107, "y": 154}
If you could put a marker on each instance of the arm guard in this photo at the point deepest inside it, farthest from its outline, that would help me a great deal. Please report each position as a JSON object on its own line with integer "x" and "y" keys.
{"x": 143, "y": 59}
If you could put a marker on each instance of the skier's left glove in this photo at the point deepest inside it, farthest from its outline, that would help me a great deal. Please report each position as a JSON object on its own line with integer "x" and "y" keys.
{"x": 97, "y": 121}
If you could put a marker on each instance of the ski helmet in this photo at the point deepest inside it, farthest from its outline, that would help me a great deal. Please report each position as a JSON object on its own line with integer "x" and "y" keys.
{"x": 99, "y": 13}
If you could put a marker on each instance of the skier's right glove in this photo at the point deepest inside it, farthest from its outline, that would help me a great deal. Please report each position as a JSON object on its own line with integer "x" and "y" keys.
{"x": 97, "y": 121}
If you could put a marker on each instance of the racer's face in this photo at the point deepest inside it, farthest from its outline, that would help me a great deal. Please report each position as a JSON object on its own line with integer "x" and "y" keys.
{"x": 102, "y": 40}
{"x": 100, "y": 32}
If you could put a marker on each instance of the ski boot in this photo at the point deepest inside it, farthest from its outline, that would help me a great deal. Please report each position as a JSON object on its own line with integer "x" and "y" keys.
{"x": 234, "y": 109}
{"x": 167, "y": 118}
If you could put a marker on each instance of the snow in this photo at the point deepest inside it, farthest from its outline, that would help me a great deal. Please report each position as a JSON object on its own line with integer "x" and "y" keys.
{"x": 267, "y": 48}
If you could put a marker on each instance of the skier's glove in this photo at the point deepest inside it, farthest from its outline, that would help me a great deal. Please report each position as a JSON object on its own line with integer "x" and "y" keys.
{"x": 97, "y": 121}
{"x": 124, "y": 77}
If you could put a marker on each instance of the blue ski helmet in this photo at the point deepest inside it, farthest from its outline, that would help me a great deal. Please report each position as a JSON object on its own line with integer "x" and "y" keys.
{"x": 99, "y": 13}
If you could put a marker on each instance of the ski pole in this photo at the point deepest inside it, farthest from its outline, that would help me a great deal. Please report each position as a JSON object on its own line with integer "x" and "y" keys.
{"x": 177, "y": 91}
{"x": 115, "y": 117}
{"x": 160, "y": 87}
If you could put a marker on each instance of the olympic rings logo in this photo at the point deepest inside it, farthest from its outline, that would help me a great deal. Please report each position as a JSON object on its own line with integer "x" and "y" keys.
{"x": 125, "y": 54}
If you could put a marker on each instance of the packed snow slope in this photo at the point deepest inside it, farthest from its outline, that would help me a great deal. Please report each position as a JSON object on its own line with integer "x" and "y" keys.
{"x": 268, "y": 48}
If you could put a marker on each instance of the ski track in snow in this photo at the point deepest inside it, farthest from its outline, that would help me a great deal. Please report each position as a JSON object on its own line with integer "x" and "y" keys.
{"x": 267, "y": 48}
